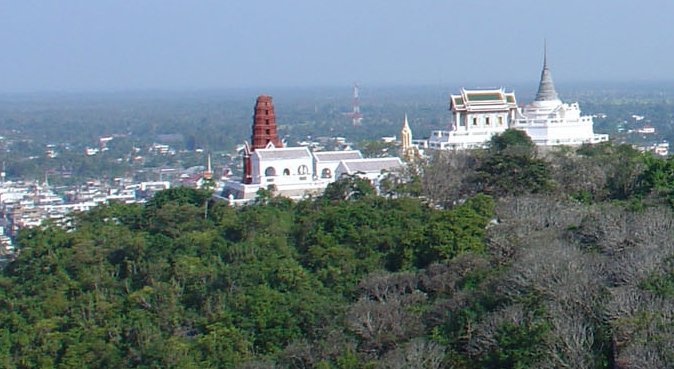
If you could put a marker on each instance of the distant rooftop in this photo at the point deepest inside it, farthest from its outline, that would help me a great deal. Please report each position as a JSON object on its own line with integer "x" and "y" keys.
{"x": 283, "y": 153}
{"x": 337, "y": 155}
{"x": 372, "y": 165}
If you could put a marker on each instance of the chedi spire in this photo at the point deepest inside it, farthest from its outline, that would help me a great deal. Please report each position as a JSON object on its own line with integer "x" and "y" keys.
{"x": 546, "y": 89}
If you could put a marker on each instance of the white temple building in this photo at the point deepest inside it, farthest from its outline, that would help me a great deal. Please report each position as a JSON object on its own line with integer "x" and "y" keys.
{"x": 285, "y": 170}
{"x": 370, "y": 169}
{"x": 477, "y": 115}
{"x": 295, "y": 172}
{"x": 326, "y": 162}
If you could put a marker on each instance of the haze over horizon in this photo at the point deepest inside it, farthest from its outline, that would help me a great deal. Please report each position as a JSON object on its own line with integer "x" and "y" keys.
{"x": 111, "y": 45}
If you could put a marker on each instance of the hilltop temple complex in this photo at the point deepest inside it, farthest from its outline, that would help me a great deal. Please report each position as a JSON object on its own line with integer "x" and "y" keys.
{"x": 295, "y": 172}
{"x": 477, "y": 115}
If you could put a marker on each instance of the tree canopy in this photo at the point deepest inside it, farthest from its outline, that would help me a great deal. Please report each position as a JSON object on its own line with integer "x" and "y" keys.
{"x": 163, "y": 286}
{"x": 570, "y": 267}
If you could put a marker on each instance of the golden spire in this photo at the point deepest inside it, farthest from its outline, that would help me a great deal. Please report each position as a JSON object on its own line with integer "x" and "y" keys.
{"x": 408, "y": 150}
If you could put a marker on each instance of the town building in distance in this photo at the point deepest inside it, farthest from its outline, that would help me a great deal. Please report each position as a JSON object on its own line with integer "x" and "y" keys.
{"x": 295, "y": 172}
{"x": 477, "y": 115}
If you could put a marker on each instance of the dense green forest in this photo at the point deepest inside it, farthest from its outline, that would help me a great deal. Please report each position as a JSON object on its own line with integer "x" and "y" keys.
{"x": 499, "y": 258}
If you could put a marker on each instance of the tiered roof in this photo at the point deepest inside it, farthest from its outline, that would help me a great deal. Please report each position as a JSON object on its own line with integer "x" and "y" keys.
{"x": 486, "y": 99}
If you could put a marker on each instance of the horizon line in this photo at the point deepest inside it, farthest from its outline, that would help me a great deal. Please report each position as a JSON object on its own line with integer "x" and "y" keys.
{"x": 375, "y": 85}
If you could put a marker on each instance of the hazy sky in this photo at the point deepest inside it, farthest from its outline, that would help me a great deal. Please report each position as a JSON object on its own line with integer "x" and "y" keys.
{"x": 101, "y": 45}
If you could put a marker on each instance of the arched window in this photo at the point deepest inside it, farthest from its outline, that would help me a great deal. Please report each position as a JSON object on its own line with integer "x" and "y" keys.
{"x": 303, "y": 169}
{"x": 270, "y": 172}
{"x": 326, "y": 173}
{"x": 286, "y": 172}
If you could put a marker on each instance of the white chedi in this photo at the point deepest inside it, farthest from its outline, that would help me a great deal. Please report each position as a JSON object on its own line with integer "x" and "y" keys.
{"x": 550, "y": 122}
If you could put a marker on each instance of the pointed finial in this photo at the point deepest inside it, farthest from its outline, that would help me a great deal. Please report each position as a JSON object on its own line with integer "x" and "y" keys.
{"x": 545, "y": 53}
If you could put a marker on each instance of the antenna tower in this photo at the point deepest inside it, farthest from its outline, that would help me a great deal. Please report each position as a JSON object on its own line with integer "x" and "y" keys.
{"x": 356, "y": 116}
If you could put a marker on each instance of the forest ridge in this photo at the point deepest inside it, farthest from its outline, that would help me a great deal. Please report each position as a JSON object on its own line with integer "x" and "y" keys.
{"x": 496, "y": 258}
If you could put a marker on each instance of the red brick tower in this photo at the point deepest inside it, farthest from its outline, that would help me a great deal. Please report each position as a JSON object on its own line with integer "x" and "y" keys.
{"x": 264, "y": 132}
{"x": 264, "y": 124}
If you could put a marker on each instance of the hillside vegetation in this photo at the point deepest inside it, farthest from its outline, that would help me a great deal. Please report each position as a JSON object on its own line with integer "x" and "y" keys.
{"x": 502, "y": 258}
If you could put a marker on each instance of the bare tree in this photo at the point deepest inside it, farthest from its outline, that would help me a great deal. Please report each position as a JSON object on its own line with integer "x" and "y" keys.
{"x": 416, "y": 354}
{"x": 547, "y": 264}
{"x": 587, "y": 265}
{"x": 257, "y": 365}
{"x": 443, "y": 278}
{"x": 483, "y": 338}
{"x": 298, "y": 355}
{"x": 532, "y": 213}
{"x": 381, "y": 286}
{"x": 642, "y": 325}
{"x": 446, "y": 179}
{"x": 383, "y": 315}
{"x": 557, "y": 271}
{"x": 641, "y": 355}
{"x": 577, "y": 174}
{"x": 573, "y": 339}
